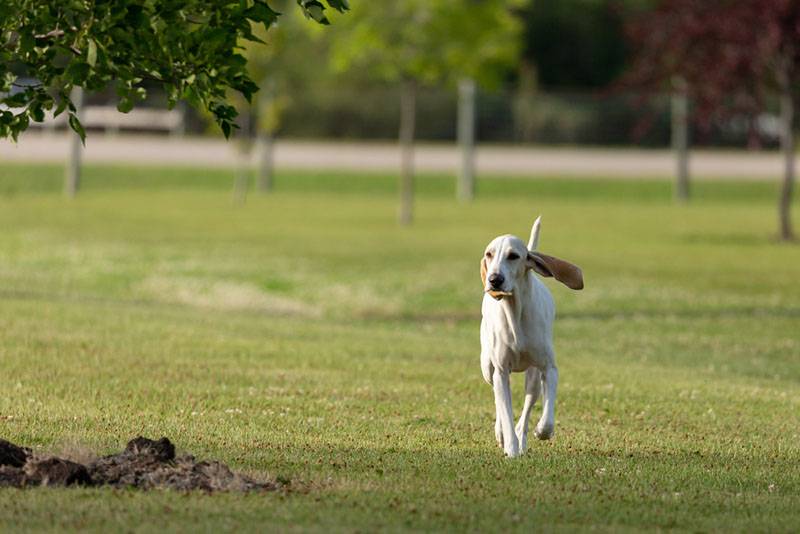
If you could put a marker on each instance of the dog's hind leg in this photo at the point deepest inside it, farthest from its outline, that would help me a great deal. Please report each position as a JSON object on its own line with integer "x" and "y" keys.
{"x": 546, "y": 425}
{"x": 498, "y": 429}
{"x": 533, "y": 386}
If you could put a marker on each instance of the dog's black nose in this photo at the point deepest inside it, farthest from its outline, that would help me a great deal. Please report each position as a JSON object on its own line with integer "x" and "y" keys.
{"x": 496, "y": 280}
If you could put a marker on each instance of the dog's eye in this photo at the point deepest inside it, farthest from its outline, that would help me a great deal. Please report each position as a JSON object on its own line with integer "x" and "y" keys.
{"x": 513, "y": 256}
{"x": 489, "y": 255}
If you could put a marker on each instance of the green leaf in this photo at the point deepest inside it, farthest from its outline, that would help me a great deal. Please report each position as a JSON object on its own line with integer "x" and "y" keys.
{"x": 17, "y": 100}
{"x": 91, "y": 53}
{"x": 125, "y": 105}
{"x": 37, "y": 112}
{"x": 62, "y": 105}
{"x": 26, "y": 42}
{"x": 261, "y": 12}
{"x": 339, "y": 5}
{"x": 317, "y": 13}
{"x": 77, "y": 127}
{"x": 77, "y": 72}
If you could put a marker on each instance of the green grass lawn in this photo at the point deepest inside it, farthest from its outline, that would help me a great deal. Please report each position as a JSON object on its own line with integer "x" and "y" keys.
{"x": 305, "y": 335}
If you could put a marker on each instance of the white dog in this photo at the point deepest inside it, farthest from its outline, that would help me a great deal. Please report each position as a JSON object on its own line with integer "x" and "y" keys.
{"x": 517, "y": 332}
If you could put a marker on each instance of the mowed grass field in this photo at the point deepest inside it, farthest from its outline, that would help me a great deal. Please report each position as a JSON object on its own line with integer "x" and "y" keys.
{"x": 305, "y": 336}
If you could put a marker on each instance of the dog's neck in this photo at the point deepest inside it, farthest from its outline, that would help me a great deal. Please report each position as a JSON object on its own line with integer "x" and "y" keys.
{"x": 514, "y": 306}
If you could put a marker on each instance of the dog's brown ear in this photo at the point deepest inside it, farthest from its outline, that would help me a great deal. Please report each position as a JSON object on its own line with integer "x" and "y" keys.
{"x": 483, "y": 271}
{"x": 568, "y": 274}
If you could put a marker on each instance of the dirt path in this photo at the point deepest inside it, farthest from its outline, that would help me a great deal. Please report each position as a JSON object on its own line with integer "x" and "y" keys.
{"x": 378, "y": 156}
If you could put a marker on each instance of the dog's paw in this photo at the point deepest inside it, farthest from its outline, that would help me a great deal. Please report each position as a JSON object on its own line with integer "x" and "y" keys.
{"x": 522, "y": 438}
{"x": 512, "y": 448}
{"x": 523, "y": 442}
{"x": 544, "y": 430}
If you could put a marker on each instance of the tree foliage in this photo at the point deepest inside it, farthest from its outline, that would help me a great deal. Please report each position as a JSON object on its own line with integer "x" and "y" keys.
{"x": 731, "y": 53}
{"x": 431, "y": 42}
{"x": 192, "y": 48}
{"x": 290, "y": 62}
{"x": 575, "y": 43}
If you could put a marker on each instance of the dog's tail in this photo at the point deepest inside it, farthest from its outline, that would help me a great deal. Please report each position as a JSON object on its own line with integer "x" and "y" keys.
{"x": 533, "y": 242}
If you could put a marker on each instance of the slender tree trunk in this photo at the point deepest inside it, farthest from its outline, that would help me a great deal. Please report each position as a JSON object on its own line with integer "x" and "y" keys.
{"x": 241, "y": 183}
{"x": 72, "y": 175}
{"x": 788, "y": 148}
{"x": 266, "y": 126}
{"x": 408, "y": 105}
{"x": 180, "y": 130}
{"x": 466, "y": 139}
{"x": 242, "y": 180}
{"x": 266, "y": 162}
{"x": 680, "y": 138}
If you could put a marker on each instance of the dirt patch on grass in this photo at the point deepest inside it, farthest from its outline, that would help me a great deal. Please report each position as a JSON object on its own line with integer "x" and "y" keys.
{"x": 223, "y": 295}
{"x": 144, "y": 464}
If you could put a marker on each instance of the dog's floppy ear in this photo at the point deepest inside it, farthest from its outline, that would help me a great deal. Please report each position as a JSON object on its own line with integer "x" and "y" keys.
{"x": 568, "y": 274}
{"x": 483, "y": 271}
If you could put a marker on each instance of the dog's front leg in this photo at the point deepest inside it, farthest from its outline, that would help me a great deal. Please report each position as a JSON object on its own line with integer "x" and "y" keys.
{"x": 544, "y": 429}
{"x": 487, "y": 369}
{"x": 498, "y": 427}
{"x": 501, "y": 382}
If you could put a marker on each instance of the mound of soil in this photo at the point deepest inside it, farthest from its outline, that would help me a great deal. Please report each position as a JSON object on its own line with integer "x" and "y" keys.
{"x": 144, "y": 464}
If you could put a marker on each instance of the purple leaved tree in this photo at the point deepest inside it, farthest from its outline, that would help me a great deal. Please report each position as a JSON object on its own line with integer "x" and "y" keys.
{"x": 733, "y": 55}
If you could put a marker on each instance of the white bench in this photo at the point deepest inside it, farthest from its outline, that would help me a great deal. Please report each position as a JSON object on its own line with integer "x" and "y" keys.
{"x": 112, "y": 121}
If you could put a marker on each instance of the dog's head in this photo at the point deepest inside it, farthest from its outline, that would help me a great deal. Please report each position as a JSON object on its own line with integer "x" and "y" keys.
{"x": 506, "y": 262}
{"x": 504, "y": 265}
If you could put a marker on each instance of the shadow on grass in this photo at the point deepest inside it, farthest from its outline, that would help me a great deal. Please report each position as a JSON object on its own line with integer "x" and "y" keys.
{"x": 739, "y": 240}
{"x": 448, "y": 317}
{"x": 596, "y": 315}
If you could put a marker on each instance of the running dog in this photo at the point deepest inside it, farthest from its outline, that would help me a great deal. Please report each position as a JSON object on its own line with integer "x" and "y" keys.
{"x": 517, "y": 332}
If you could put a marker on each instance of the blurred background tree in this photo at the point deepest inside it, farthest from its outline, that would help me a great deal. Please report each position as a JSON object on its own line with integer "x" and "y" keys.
{"x": 294, "y": 61}
{"x": 418, "y": 42}
{"x": 545, "y": 72}
{"x": 735, "y": 57}
{"x": 575, "y": 43}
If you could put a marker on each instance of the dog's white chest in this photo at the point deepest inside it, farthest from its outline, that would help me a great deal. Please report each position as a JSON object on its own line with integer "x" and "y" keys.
{"x": 517, "y": 334}
{"x": 519, "y": 352}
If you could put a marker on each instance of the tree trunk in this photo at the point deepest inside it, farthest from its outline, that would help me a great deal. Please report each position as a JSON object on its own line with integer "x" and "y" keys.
{"x": 266, "y": 162}
{"x": 72, "y": 175}
{"x": 242, "y": 181}
{"x": 787, "y": 146}
{"x": 266, "y": 125}
{"x": 265, "y": 168}
{"x": 180, "y": 129}
{"x": 466, "y": 139}
{"x": 408, "y": 97}
{"x": 680, "y": 138}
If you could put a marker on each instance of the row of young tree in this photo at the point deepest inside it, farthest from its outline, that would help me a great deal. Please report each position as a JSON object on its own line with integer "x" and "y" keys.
{"x": 716, "y": 59}
{"x": 408, "y": 42}
{"x": 719, "y": 56}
